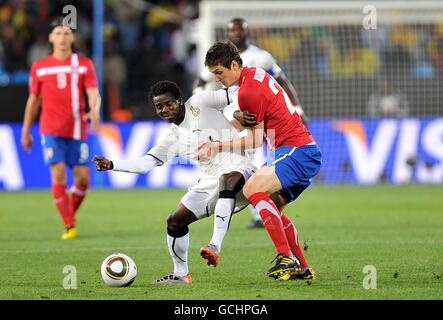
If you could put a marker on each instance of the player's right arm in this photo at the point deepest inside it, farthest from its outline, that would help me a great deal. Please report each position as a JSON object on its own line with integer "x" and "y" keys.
{"x": 31, "y": 111}
{"x": 164, "y": 150}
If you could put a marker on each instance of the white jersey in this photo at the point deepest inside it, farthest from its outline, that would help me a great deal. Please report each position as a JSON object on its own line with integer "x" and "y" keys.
{"x": 203, "y": 122}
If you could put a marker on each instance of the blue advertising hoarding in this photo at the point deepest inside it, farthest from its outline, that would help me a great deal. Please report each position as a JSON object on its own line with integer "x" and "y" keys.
{"x": 355, "y": 151}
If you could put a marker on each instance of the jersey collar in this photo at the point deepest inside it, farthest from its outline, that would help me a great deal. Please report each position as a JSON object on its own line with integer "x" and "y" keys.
{"x": 242, "y": 76}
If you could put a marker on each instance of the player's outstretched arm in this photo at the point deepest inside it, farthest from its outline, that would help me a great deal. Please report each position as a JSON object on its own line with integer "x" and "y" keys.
{"x": 138, "y": 165}
{"x": 31, "y": 111}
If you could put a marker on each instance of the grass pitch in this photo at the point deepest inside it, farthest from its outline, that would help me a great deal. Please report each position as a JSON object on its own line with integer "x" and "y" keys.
{"x": 398, "y": 230}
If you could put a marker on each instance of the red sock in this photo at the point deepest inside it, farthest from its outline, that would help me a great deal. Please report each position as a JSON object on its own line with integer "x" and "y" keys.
{"x": 271, "y": 220}
{"x": 77, "y": 195}
{"x": 294, "y": 243}
{"x": 61, "y": 200}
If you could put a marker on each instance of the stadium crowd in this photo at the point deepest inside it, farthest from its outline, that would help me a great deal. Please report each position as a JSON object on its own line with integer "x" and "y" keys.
{"x": 147, "y": 41}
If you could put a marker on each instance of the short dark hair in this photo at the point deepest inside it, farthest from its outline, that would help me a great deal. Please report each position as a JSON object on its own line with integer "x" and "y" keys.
{"x": 165, "y": 87}
{"x": 223, "y": 53}
{"x": 59, "y": 22}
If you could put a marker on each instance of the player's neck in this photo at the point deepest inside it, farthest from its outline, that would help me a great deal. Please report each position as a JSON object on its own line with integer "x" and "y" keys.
{"x": 61, "y": 54}
{"x": 181, "y": 117}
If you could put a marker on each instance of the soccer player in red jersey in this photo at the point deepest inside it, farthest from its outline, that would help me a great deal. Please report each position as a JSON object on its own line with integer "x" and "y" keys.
{"x": 297, "y": 157}
{"x": 58, "y": 82}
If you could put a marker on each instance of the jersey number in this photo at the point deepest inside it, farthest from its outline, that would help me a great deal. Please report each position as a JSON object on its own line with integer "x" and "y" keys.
{"x": 274, "y": 86}
{"x": 61, "y": 80}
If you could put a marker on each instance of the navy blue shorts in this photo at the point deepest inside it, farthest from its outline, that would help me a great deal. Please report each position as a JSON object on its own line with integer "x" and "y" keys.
{"x": 70, "y": 151}
{"x": 295, "y": 168}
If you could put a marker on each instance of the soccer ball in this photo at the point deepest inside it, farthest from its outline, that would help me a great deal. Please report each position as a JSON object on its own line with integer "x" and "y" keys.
{"x": 118, "y": 270}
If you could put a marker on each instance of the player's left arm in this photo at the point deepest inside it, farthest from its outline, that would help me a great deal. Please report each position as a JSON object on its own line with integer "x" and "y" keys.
{"x": 94, "y": 99}
{"x": 94, "y": 102}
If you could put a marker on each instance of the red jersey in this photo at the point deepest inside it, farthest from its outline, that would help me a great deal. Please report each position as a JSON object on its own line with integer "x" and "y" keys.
{"x": 260, "y": 93}
{"x": 61, "y": 85}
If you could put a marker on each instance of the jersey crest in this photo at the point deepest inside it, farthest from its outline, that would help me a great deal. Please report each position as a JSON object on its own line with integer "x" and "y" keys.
{"x": 194, "y": 110}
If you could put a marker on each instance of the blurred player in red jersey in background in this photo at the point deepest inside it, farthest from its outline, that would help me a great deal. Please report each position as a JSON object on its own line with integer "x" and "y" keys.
{"x": 58, "y": 82}
{"x": 297, "y": 156}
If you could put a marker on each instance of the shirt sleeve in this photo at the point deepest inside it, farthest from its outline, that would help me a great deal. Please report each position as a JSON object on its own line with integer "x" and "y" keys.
{"x": 166, "y": 147}
{"x": 90, "y": 76}
{"x": 212, "y": 99}
{"x": 138, "y": 165}
{"x": 34, "y": 83}
{"x": 271, "y": 66}
{"x": 249, "y": 99}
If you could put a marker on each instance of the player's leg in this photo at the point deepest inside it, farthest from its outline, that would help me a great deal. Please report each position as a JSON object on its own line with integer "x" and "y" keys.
{"x": 257, "y": 189}
{"x": 229, "y": 185}
{"x": 290, "y": 230}
{"x": 60, "y": 194}
{"x": 78, "y": 159}
{"x": 295, "y": 170}
{"x": 54, "y": 153}
{"x": 79, "y": 187}
{"x": 190, "y": 209}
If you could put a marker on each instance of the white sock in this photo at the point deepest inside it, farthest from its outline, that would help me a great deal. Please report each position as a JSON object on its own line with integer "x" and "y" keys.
{"x": 254, "y": 213}
{"x": 178, "y": 249}
{"x": 222, "y": 217}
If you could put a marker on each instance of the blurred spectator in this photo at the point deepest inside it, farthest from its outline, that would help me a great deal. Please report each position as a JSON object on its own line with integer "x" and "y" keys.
{"x": 39, "y": 48}
{"x": 435, "y": 48}
{"x": 114, "y": 76}
{"x": 387, "y": 102}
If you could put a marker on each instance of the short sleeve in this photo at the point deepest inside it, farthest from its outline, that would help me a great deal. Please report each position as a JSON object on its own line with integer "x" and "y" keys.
{"x": 34, "y": 83}
{"x": 90, "y": 76}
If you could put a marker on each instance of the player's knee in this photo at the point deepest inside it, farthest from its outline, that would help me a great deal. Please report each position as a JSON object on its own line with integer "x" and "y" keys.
{"x": 176, "y": 227}
{"x": 82, "y": 182}
{"x": 253, "y": 185}
{"x": 232, "y": 181}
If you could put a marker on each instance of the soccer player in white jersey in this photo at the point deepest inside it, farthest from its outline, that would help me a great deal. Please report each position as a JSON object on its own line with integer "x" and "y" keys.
{"x": 237, "y": 32}
{"x": 197, "y": 120}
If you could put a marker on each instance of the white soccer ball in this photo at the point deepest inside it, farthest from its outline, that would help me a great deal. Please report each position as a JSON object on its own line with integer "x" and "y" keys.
{"x": 118, "y": 270}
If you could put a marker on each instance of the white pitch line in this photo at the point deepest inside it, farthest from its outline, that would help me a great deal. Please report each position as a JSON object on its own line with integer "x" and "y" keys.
{"x": 311, "y": 243}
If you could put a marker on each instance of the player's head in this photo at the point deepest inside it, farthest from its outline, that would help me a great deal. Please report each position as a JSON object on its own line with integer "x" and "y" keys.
{"x": 224, "y": 61}
{"x": 167, "y": 99}
{"x": 61, "y": 36}
{"x": 237, "y": 31}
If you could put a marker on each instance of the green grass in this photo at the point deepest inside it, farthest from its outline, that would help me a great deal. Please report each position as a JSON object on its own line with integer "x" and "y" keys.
{"x": 399, "y": 230}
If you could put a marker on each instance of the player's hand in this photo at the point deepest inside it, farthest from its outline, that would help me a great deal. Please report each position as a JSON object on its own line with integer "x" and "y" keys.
{"x": 207, "y": 150}
{"x": 246, "y": 118}
{"x": 26, "y": 141}
{"x": 94, "y": 121}
{"x": 102, "y": 164}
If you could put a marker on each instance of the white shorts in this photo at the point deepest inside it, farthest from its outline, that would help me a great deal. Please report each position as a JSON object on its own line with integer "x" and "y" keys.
{"x": 201, "y": 198}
